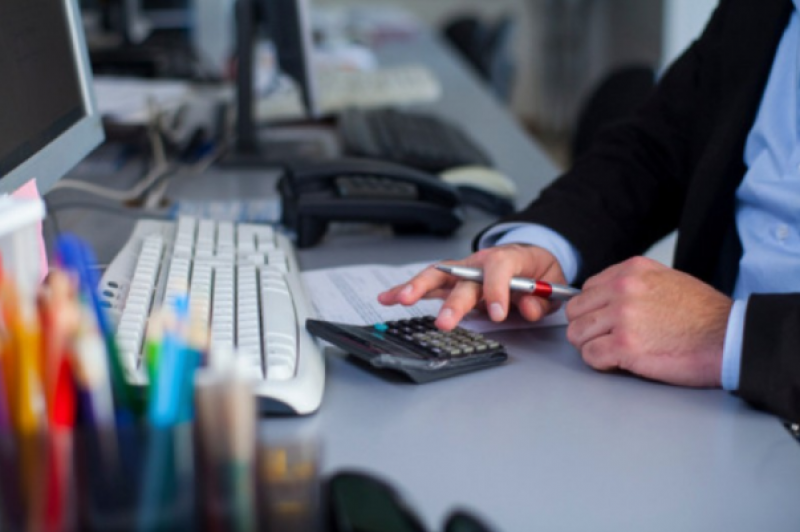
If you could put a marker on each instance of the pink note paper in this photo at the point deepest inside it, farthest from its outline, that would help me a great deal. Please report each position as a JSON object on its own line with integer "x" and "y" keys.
{"x": 30, "y": 191}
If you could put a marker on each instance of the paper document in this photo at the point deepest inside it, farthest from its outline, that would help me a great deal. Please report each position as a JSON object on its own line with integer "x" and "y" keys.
{"x": 349, "y": 294}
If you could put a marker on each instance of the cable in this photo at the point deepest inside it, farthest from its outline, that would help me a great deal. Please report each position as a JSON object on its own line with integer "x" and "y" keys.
{"x": 150, "y": 178}
{"x": 153, "y": 199}
{"x": 160, "y": 169}
{"x": 54, "y": 225}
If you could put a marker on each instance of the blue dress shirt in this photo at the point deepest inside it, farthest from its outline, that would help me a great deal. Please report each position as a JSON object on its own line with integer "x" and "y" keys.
{"x": 767, "y": 203}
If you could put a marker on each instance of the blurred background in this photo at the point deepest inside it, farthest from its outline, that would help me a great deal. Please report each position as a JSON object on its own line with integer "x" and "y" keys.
{"x": 560, "y": 51}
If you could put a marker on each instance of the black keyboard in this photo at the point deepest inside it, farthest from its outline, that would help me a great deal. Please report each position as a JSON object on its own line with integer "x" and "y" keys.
{"x": 413, "y": 347}
{"x": 414, "y": 139}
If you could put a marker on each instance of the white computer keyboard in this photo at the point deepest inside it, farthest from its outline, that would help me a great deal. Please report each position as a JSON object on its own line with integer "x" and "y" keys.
{"x": 244, "y": 278}
{"x": 341, "y": 89}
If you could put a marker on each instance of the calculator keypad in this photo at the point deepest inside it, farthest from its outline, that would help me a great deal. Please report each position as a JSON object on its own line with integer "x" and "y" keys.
{"x": 422, "y": 335}
{"x": 413, "y": 347}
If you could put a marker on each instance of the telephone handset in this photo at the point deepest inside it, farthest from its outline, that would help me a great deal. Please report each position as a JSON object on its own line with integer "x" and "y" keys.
{"x": 321, "y": 191}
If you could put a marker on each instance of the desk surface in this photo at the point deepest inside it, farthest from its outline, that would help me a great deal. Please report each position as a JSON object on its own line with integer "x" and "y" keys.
{"x": 543, "y": 442}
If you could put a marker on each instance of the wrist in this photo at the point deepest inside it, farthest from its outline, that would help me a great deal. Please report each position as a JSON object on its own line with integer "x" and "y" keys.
{"x": 564, "y": 254}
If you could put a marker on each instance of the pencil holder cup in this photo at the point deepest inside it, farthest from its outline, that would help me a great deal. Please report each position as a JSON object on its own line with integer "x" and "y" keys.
{"x": 37, "y": 485}
{"x": 136, "y": 479}
{"x": 142, "y": 478}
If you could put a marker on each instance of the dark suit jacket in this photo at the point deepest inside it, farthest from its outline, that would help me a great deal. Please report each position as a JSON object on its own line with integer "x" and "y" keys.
{"x": 677, "y": 164}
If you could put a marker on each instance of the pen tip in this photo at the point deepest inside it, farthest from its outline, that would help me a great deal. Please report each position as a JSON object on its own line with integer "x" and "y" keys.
{"x": 443, "y": 268}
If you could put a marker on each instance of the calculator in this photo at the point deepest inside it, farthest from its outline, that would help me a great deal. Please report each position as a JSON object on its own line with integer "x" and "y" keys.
{"x": 413, "y": 347}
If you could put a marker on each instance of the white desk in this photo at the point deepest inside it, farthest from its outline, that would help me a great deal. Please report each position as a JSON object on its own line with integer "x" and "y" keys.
{"x": 542, "y": 443}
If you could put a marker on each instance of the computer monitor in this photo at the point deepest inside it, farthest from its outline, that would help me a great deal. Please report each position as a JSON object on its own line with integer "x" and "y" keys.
{"x": 48, "y": 116}
{"x": 289, "y": 28}
{"x": 287, "y": 24}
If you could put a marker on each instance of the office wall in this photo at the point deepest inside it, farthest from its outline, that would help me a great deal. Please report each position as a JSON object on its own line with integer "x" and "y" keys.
{"x": 683, "y": 22}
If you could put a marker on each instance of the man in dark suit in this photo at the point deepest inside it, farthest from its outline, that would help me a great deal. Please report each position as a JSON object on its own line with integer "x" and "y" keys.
{"x": 715, "y": 153}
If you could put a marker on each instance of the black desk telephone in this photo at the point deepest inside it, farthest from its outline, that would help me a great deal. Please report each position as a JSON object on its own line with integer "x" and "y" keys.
{"x": 317, "y": 192}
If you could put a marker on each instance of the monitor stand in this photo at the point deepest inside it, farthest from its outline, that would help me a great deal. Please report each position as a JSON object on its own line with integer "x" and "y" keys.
{"x": 277, "y": 144}
{"x": 255, "y": 146}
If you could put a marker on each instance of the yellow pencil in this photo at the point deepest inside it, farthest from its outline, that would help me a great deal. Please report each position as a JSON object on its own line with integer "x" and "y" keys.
{"x": 23, "y": 365}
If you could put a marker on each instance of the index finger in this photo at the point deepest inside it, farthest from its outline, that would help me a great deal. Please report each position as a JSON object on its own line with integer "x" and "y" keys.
{"x": 417, "y": 287}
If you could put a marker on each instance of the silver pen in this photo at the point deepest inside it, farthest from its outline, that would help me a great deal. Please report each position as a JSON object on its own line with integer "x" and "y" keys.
{"x": 543, "y": 289}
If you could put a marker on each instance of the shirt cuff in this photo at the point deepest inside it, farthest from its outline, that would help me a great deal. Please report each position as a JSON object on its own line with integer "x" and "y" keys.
{"x": 522, "y": 233}
{"x": 732, "y": 348}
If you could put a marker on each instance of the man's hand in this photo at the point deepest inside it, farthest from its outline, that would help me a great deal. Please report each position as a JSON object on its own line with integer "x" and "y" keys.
{"x": 499, "y": 265}
{"x": 643, "y": 317}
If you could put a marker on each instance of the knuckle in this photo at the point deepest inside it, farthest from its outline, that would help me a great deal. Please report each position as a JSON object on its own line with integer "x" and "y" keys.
{"x": 591, "y": 355}
{"x": 626, "y": 314}
{"x": 629, "y": 285}
{"x": 534, "y": 308}
{"x": 478, "y": 255}
{"x": 647, "y": 267}
{"x": 494, "y": 258}
{"x": 590, "y": 282}
{"x": 573, "y": 334}
{"x": 623, "y": 341}
{"x": 620, "y": 284}
{"x": 574, "y": 308}
{"x": 635, "y": 262}
{"x": 464, "y": 295}
{"x": 622, "y": 313}
{"x": 639, "y": 263}
{"x": 598, "y": 357}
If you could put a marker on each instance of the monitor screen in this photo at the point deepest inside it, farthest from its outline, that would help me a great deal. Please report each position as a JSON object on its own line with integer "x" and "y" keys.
{"x": 48, "y": 119}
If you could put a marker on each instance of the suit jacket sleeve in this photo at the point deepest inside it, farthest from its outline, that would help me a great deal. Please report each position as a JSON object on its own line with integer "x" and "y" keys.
{"x": 770, "y": 371}
{"x": 628, "y": 190}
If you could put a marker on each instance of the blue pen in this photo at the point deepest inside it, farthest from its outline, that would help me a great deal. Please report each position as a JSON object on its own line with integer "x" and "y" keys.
{"x": 75, "y": 255}
{"x": 172, "y": 374}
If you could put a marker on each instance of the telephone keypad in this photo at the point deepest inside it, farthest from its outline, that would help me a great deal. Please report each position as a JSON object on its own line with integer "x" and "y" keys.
{"x": 366, "y": 186}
